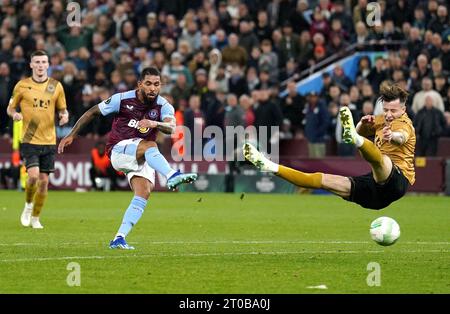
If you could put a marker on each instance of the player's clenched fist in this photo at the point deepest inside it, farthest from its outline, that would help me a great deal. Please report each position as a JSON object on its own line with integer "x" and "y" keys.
{"x": 369, "y": 119}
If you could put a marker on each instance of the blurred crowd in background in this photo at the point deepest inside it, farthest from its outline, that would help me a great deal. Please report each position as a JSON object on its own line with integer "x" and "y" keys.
{"x": 226, "y": 62}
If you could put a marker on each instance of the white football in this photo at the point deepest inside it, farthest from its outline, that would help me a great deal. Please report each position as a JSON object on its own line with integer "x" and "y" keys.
{"x": 384, "y": 231}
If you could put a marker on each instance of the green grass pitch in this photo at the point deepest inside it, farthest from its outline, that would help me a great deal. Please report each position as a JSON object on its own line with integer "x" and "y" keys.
{"x": 220, "y": 243}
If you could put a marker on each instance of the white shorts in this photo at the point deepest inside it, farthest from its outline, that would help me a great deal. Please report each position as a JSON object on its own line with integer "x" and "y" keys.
{"x": 123, "y": 158}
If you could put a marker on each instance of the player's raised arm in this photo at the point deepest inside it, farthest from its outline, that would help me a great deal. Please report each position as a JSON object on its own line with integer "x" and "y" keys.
{"x": 365, "y": 125}
{"x": 110, "y": 105}
{"x": 84, "y": 120}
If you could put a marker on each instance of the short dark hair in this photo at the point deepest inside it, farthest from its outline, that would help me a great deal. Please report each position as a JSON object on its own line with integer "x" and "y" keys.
{"x": 39, "y": 53}
{"x": 149, "y": 71}
{"x": 390, "y": 91}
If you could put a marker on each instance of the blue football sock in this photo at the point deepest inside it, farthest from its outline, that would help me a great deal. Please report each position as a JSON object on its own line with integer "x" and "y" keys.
{"x": 132, "y": 215}
{"x": 158, "y": 162}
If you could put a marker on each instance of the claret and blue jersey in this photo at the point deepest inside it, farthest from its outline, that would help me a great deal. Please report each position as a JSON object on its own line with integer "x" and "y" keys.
{"x": 129, "y": 111}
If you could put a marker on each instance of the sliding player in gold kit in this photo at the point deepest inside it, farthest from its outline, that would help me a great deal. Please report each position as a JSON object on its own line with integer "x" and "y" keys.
{"x": 391, "y": 156}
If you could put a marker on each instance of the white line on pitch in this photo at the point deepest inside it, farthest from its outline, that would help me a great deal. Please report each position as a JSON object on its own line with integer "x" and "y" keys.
{"x": 43, "y": 259}
{"x": 223, "y": 242}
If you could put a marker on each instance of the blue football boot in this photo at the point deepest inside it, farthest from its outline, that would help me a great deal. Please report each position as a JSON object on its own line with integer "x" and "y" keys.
{"x": 120, "y": 243}
{"x": 179, "y": 178}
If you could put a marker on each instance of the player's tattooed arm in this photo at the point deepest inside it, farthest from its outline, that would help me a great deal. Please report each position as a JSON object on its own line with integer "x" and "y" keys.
{"x": 394, "y": 137}
{"x": 167, "y": 126}
{"x": 84, "y": 120}
{"x": 398, "y": 138}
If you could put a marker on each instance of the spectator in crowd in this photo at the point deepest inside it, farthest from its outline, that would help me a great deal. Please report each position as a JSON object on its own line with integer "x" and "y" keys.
{"x": 437, "y": 70}
{"x": 246, "y": 103}
{"x": 378, "y": 74}
{"x": 6, "y": 86}
{"x": 234, "y": 117}
{"x": 234, "y": 53}
{"x": 282, "y": 38}
{"x": 247, "y": 38}
{"x": 441, "y": 86}
{"x": 262, "y": 29}
{"x": 264, "y": 79}
{"x": 339, "y": 78}
{"x": 364, "y": 67}
{"x": 195, "y": 121}
{"x": 6, "y": 49}
{"x": 427, "y": 89}
{"x": 268, "y": 114}
{"x": 181, "y": 91}
{"x": 447, "y": 100}
{"x": 306, "y": 49}
{"x": 234, "y": 114}
{"x": 423, "y": 66}
{"x": 429, "y": 123}
{"x": 236, "y": 82}
{"x": 298, "y": 19}
{"x": 269, "y": 60}
{"x": 446, "y": 132}
{"x": 176, "y": 67}
{"x": 316, "y": 125}
{"x": 319, "y": 23}
{"x": 289, "y": 44}
{"x": 440, "y": 22}
{"x": 361, "y": 34}
{"x": 18, "y": 65}
{"x": 292, "y": 107}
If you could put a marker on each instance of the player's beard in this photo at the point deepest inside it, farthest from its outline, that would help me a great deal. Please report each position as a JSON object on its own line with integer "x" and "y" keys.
{"x": 148, "y": 100}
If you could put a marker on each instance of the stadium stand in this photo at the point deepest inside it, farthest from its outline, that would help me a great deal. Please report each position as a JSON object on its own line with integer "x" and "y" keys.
{"x": 236, "y": 46}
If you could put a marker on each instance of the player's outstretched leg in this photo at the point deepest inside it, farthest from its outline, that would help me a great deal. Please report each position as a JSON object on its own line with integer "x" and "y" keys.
{"x": 368, "y": 149}
{"x": 299, "y": 178}
{"x": 179, "y": 178}
{"x": 158, "y": 162}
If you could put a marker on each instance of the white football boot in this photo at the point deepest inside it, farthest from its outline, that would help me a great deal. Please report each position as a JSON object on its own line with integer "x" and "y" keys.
{"x": 258, "y": 159}
{"x": 25, "y": 218}
{"x": 35, "y": 223}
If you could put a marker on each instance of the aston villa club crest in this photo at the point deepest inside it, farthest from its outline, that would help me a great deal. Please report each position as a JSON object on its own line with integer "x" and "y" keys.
{"x": 153, "y": 114}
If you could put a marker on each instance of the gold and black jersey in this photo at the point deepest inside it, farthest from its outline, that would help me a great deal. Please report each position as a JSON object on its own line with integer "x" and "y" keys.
{"x": 401, "y": 155}
{"x": 38, "y": 103}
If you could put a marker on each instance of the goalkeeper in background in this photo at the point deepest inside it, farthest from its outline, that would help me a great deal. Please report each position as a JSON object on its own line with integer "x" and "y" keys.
{"x": 391, "y": 156}
{"x": 35, "y": 100}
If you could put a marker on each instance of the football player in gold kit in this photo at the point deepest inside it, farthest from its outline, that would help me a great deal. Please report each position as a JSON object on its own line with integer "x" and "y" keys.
{"x": 391, "y": 155}
{"x": 35, "y": 100}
